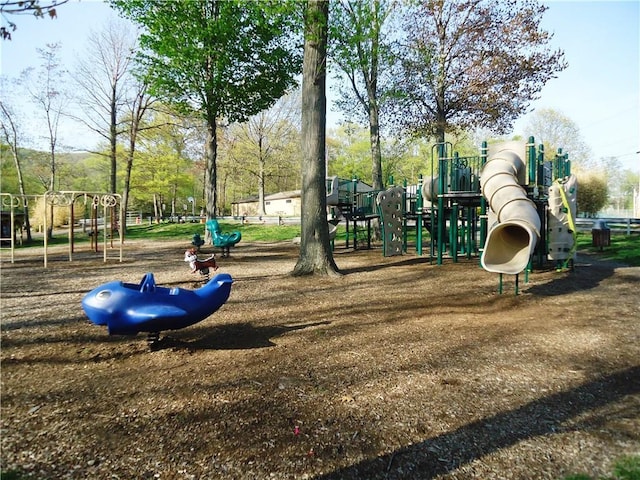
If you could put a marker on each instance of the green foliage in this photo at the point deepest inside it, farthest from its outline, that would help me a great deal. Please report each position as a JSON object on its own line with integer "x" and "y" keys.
{"x": 219, "y": 60}
{"x": 555, "y": 130}
{"x": 163, "y": 169}
{"x": 625, "y": 468}
{"x": 621, "y": 183}
{"x": 592, "y": 194}
{"x": 629, "y": 182}
{"x": 361, "y": 48}
{"x": 228, "y": 59}
{"x": 263, "y": 152}
{"x": 12, "y": 475}
{"x": 402, "y": 158}
{"x": 405, "y": 160}
{"x": 350, "y": 153}
{"x": 623, "y": 248}
{"x": 76, "y": 171}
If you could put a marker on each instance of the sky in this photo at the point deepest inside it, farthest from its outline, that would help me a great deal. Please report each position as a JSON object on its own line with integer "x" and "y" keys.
{"x": 599, "y": 91}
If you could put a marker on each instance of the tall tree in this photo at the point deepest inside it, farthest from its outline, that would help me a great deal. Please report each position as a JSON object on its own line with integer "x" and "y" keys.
{"x": 163, "y": 172}
{"x": 264, "y": 144}
{"x": 218, "y": 59}
{"x": 471, "y": 63}
{"x": 555, "y": 130}
{"x": 349, "y": 155}
{"x": 140, "y": 103}
{"x": 45, "y": 87}
{"x": 358, "y": 48}
{"x": 315, "y": 256}
{"x": 102, "y": 75}
{"x": 592, "y": 194}
{"x": 10, "y": 135}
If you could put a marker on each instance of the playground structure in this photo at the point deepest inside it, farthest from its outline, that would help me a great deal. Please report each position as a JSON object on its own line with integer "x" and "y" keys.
{"x": 223, "y": 240}
{"x": 514, "y": 224}
{"x": 509, "y": 205}
{"x": 15, "y": 209}
{"x": 353, "y": 202}
{"x": 128, "y": 308}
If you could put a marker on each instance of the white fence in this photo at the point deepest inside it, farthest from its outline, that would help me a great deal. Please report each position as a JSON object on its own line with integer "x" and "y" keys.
{"x": 617, "y": 225}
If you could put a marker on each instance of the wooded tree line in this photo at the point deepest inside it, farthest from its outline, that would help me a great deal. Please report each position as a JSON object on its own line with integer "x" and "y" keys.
{"x": 203, "y": 101}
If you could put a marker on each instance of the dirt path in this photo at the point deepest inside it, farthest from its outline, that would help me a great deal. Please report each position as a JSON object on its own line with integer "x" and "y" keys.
{"x": 399, "y": 369}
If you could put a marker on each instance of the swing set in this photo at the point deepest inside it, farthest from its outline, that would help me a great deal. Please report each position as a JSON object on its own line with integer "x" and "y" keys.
{"x": 15, "y": 208}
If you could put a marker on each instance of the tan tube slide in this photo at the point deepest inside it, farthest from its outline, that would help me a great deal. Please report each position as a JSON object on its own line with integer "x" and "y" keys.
{"x": 514, "y": 224}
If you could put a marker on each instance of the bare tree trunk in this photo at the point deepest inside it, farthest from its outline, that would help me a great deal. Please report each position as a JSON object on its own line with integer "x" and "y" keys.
{"x": 376, "y": 154}
{"x": 157, "y": 206}
{"x": 261, "y": 175}
{"x": 102, "y": 80}
{"x": 52, "y": 180}
{"x": 10, "y": 132}
{"x": 211, "y": 175}
{"x": 139, "y": 107}
{"x": 113, "y": 138}
{"x": 316, "y": 256}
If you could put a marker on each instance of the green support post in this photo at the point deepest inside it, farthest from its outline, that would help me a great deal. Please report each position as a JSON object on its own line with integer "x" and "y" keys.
{"x": 442, "y": 181}
{"x": 470, "y": 229}
{"x": 453, "y": 228}
{"x": 419, "y": 216}
{"x": 542, "y": 249}
{"x": 354, "y": 188}
{"x": 531, "y": 161}
{"x": 432, "y": 219}
{"x": 404, "y": 217}
{"x": 542, "y": 192}
{"x": 540, "y": 163}
{"x": 559, "y": 167}
{"x": 564, "y": 165}
{"x": 540, "y": 154}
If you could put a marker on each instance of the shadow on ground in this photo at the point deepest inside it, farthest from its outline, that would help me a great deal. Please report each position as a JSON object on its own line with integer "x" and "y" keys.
{"x": 546, "y": 416}
{"x": 243, "y": 336}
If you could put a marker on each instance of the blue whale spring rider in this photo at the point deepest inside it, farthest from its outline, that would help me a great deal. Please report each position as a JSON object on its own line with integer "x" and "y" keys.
{"x": 129, "y": 308}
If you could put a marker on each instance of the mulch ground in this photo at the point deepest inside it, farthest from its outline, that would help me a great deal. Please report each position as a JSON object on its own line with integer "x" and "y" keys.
{"x": 399, "y": 369}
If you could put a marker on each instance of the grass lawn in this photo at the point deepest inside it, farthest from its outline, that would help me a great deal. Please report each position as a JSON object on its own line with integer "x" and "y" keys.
{"x": 251, "y": 232}
{"x": 623, "y": 248}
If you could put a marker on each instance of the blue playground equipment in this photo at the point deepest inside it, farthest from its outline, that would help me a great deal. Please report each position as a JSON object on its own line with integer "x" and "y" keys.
{"x": 224, "y": 240}
{"x": 129, "y": 308}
